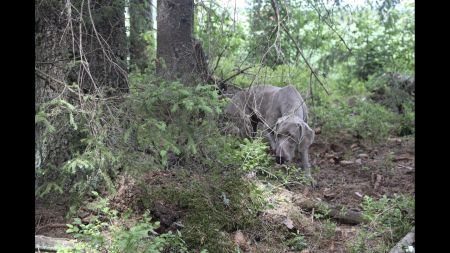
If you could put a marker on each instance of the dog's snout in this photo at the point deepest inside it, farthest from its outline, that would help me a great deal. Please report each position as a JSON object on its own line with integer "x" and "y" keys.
{"x": 280, "y": 159}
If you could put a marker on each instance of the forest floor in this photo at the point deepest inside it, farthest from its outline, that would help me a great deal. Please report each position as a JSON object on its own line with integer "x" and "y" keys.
{"x": 347, "y": 169}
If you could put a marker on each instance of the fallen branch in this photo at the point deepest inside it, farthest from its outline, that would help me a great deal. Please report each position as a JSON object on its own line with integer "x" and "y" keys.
{"x": 58, "y": 225}
{"x": 50, "y": 244}
{"x": 347, "y": 217}
{"x": 407, "y": 241}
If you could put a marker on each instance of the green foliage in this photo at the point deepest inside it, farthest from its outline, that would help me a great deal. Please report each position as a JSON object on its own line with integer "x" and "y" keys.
{"x": 220, "y": 36}
{"x": 91, "y": 160}
{"x": 297, "y": 242}
{"x": 253, "y": 154}
{"x": 170, "y": 119}
{"x": 104, "y": 232}
{"x": 365, "y": 118}
{"x": 389, "y": 220}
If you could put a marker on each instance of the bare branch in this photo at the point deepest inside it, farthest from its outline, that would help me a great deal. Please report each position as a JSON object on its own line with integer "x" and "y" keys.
{"x": 218, "y": 59}
{"x": 329, "y": 25}
{"x": 236, "y": 74}
{"x": 306, "y": 61}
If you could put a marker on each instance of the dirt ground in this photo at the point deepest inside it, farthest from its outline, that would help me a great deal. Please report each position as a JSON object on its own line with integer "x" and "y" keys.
{"x": 350, "y": 170}
{"x": 49, "y": 218}
{"x": 347, "y": 170}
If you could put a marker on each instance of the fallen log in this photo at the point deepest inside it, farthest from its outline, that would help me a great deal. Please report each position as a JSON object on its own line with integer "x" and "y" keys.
{"x": 335, "y": 212}
{"x": 50, "y": 244}
{"x": 405, "y": 244}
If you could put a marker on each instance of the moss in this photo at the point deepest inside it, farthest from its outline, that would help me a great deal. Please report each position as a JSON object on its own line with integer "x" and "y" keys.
{"x": 212, "y": 205}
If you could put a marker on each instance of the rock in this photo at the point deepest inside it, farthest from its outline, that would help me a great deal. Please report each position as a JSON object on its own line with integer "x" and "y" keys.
{"x": 358, "y": 161}
{"x": 330, "y": 155}
{"x": 364, "y": 156}
{"x": 288, "y": 222}
{"x": 396, "y": 140}
{"x": 329, "y": 195}
{"x": 345, "y": 162}
{"x": 403, "y": 157}
{"x": 239, "y": 239}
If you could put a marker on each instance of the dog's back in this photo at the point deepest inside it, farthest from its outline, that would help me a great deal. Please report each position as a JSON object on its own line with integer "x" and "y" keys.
{"x": 276, "y": 102}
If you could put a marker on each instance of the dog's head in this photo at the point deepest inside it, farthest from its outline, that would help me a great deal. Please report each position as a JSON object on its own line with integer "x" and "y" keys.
{"x": 290, "y": 134}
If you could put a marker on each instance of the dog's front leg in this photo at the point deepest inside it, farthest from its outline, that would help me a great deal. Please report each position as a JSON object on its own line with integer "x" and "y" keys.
{"x": 307, "y": 166}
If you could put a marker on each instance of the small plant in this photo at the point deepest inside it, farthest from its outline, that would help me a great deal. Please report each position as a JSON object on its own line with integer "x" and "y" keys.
{"x": 105, "y": 233}
{"x": 329, "y": 227}
{"x": 388, "y": 162}
{"x": 253, "y": 154}
{"x": 297, "y": 242}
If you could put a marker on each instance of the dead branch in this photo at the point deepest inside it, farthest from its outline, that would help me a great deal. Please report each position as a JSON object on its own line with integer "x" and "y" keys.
{"x": 57, "y": 225}
{"x": 347, "y": 217}
{"x": 330, "y": 26}
{"x": 218, "y": 59}
{"x": 303, "y": 57}
{"x": 236, "y": 74}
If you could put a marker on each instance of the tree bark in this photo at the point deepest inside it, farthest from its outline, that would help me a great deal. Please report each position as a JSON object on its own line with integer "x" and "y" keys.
{"x": 175, "y": 45}
{"x": 105, "y": 46}
{"x": 81, "y": 42}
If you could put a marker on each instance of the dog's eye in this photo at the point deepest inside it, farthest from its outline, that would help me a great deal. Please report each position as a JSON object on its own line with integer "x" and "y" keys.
{"x": 285, "y": 134}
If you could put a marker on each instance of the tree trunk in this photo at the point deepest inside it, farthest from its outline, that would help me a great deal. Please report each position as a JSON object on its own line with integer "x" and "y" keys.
{"x": 67, "y": 52}
{"x": 140, "y": 23}
{"x": 175, "y": 45}
{"x": 52, "y": 55}
{"x": 105, "y": 46}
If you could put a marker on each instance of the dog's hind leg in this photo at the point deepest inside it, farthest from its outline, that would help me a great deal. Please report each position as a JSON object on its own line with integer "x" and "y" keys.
{"x": 254, "y": 120}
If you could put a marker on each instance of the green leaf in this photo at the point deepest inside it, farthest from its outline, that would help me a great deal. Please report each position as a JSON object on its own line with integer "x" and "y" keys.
{"x": 174, "y": 108}
{"x": 160, "y": 125}
{"x": 72, "y": 121}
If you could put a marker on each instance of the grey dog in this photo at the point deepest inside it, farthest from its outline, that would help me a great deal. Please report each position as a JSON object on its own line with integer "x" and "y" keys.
{"x": 284, "y": 114}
